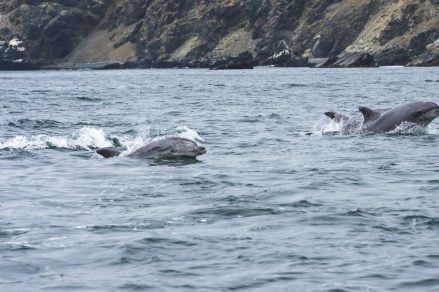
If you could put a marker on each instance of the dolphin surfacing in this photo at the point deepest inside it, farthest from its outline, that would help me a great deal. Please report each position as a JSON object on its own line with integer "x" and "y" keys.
{"x": 385, "y": 120}
{"x": 166, "y": 148}
{"x": 419, "y": 113}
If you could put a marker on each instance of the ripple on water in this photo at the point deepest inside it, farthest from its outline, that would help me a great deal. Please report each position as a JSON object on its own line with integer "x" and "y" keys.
{"x": 34, "y": 124}
{"x": 420, "y": 284}
{"x": 222, "y": 212}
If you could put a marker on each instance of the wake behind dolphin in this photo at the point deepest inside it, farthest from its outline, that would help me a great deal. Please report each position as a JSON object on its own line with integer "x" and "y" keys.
{"x": 166, "y": 148}
{"x": 386, "y": 120}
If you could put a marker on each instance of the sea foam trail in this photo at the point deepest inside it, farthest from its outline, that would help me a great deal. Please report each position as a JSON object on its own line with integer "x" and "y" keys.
{"x": 88, "y": 138}
{"x": 85, "y": 138}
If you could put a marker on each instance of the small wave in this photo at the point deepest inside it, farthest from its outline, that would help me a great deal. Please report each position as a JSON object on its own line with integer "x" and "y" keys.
{"x": 34, "y": 124}
{"x": 86, "y": 98}
{"x": 291, "y": 85}
{"x": 88, "y": 138}
{"x": 84, "y": 138}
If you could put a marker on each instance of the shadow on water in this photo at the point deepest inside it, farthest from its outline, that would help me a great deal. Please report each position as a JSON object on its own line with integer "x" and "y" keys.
{"x": 151, "y": 161}
{"x": 177, "y": 161}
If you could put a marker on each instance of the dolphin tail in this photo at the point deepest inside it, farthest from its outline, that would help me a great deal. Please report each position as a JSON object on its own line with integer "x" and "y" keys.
{"x": 108, "y": 152}
{"x": 337, "y": 117}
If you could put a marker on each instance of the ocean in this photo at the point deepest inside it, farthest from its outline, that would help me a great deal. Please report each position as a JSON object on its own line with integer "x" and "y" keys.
{"x": 274, "y": 204}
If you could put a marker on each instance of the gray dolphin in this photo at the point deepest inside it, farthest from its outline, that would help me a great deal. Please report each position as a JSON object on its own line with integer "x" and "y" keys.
{"x": 419, "y": 113}
{"x": 165, "y": 148}
{"x": 385, "y": 120}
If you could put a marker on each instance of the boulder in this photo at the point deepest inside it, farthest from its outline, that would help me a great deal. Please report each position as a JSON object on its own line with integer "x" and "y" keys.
{"x": 285, "y": 58}
{"x": 427, "y": 59}
{"x": 14, "y": 55}
{"x": 242, "y": 61}
{"x": 350, "y": 60}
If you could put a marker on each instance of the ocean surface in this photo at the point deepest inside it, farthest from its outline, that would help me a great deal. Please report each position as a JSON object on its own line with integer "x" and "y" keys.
{"x": 274, "y": 205}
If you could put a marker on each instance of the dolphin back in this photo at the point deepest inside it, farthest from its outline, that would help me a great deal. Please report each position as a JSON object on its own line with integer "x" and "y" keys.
{"x": 169, "y": 148}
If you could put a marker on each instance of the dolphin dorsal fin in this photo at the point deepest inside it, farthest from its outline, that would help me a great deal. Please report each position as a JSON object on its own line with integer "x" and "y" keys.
{"x": 369, "y": 114}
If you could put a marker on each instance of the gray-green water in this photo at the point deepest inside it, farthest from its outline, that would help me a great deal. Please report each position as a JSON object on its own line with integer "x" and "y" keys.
{"x": 267, "y": 208}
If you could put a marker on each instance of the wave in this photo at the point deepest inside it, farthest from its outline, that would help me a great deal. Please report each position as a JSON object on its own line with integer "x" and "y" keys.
{"x": 84, "y": 138}
{"x": 89, "y": 138}
{"x": 34, "y": 124}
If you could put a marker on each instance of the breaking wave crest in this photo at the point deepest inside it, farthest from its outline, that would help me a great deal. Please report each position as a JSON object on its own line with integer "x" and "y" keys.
{"x": 89, "y": 138}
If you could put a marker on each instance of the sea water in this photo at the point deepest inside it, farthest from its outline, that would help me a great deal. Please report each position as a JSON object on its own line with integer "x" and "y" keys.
{"x": 269, "y": 207}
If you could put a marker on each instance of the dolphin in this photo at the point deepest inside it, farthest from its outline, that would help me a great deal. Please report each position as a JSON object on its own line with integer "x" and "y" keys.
{"x": 385, "y": 120}
{"x": 419, "y": 113}
{"x": 166, "y": 148}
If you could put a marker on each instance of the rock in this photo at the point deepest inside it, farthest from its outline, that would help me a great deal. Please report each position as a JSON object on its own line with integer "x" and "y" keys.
{"x": 326, "y": 62}
{"x": 318, "y": 62}
{"x": 285, "y": 58}
{"x": 175, "y": 33}
{"x": 429, "y": 58}
{"x": 349, "y": 61}
{"x": 232, "y": 64}
{"x": 425, "y": 60}
{"x": 15, "y": 56}
{"x": 243, "y": 61}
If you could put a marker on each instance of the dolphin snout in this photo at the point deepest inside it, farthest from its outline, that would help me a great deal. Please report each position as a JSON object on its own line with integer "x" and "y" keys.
{"x": 434, "y": 110}
{"x": 201, "y": 150}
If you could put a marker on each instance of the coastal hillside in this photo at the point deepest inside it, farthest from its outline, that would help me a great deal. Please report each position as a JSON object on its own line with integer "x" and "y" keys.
{"x": 198, "y": 33}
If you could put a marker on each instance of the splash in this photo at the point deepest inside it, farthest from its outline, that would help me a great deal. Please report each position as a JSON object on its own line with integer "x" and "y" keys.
{"x": 407, "y": 128}
{"x": 84, "y": 138}
{"x": 185, "y": 132}
{"x": 89, "y": 138}
{"x": 353, "y": 127}
{"x": 323, "y": 127}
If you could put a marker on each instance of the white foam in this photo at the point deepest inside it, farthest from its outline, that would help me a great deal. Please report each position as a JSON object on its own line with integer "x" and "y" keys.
{"x": 88, "y": 138}
{"x": 407, "y": 128}
{"x": 84, "y": 138}
{"x": 323, "y": 126}
{"x": 185, "y": 132}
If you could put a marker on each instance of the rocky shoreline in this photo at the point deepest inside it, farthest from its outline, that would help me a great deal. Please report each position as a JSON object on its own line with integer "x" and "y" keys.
{"x": 220, "y": 34}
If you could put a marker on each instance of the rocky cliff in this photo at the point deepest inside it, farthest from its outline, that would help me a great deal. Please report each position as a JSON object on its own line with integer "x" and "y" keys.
{"x": 196, "y": 33}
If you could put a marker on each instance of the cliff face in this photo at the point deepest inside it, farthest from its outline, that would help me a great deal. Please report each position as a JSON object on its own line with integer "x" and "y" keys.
{"x": 164, "y": 33}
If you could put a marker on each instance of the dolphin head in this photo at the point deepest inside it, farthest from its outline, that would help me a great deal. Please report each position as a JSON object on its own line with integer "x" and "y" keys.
{"x": 425, "y": 112}
{"x": 185, "y": 148}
